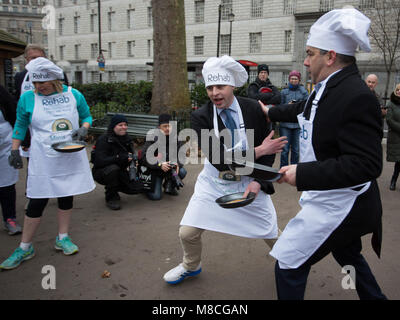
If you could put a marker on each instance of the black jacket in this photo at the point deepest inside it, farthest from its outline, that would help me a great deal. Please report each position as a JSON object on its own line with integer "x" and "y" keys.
{"x": 253, "y": 118}
{"x": 111, "y": 149}
{"x": 346, "y": 138}
{"x": 8, "y": 105}
{"x": 273, "y": 97}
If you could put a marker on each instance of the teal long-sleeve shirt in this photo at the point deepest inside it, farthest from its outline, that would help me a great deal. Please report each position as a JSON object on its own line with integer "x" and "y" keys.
{"x": 26, "y": 105}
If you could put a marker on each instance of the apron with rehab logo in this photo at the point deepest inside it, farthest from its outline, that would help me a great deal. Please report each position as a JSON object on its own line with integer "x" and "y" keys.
{"x": 53, "y": 174}
{"x": 322, "y": 211}
{"x": 256, "y": 220}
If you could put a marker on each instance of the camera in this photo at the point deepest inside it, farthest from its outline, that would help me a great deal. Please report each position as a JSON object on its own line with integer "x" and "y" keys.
{"x": 132, "y": 167}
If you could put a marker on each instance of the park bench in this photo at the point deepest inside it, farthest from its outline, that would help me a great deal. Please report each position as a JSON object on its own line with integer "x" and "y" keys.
{"x": 138, "y": 124}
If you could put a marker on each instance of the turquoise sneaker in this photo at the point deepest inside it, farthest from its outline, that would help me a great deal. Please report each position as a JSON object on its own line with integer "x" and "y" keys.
{"x": 17, "y": 257}
{"x": 66, "y": 246}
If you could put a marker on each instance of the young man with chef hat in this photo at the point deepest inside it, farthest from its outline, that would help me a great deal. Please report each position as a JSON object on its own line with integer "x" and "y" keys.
{"x": 53, "y": 112}
{"x": 237, "y": 115}
{"x": 340, "y": 159}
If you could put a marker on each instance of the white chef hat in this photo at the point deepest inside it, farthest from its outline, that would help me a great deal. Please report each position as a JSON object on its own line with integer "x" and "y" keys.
{"x": 224, "y": 71}
{"x": 341, "y": 30}
{"x": 42, "y": 69}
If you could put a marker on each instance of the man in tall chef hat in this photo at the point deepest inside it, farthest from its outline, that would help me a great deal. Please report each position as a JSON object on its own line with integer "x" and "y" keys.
{"x": 236, "y": 116}
{"x": 340, "y": 159}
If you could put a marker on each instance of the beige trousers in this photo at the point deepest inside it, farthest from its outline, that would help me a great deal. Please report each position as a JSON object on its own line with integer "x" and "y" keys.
{"x": 191, "y": 244}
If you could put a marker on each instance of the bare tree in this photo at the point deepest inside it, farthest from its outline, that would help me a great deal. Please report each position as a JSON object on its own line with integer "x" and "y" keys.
{"x": 170, "y": 80}
{"x": 385, "y": 33}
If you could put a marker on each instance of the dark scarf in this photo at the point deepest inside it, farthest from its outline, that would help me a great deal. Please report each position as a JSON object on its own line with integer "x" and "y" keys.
{"x": 395, "y": 99}
{"x": 263, "y": 83}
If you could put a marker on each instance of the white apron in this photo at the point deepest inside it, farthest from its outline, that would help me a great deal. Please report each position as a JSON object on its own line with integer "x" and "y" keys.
{"x": 8, "y": 175}
{"x": 322, "y": 211}
{"x": 26, "y": 86}
{"x": 53, "y": 174}
{"x": 256, "y": 220}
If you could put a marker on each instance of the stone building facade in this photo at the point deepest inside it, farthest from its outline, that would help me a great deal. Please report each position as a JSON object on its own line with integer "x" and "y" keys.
{"x": 23, "y": 20}
{"x": 272, "y": 32}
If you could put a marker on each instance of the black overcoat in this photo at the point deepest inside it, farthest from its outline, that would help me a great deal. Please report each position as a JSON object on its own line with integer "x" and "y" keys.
{"x": 346, "y": 137}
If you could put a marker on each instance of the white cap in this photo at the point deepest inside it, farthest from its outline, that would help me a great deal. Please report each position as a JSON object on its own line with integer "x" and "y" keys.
{"x": 42, "y": 70}
{"x": 341, "y": 30}
{"x": 224, "y": 71}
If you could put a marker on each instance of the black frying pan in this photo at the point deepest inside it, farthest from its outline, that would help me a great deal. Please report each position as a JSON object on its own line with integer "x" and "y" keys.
{"x": 235, "y": 200}
{"x": 259, "y": 171}
{"x": 69, "y": 146}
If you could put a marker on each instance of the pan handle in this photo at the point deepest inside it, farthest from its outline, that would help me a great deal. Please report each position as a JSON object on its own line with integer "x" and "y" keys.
{"x": 251, "y": 195}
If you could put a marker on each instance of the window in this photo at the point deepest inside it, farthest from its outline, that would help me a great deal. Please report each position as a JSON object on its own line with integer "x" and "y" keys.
{"x": 110, "y": 49}
{"x": 289, "y": 6}
{"x": 130, "y": 76}
{"x": 60, "y": 26}
{"x": 131, "y": 48}
{"x": 112, "y": 77}
{"x": 257, "y": 8}
{"x": 94, "y": 50}
{"x": 199, "y": 11}
{"x": 288, "y": 40}
{"x": 110, "y": 15}
{"x": 225, "y": 39}
{"x": 45, "y": 39}
{"x": 199, "y": 45}
{"x": 226, "y": 9}
{"x": 61, "y": 49}
{"x": 12, "y": 24}
{"x": 367, "y": 4}
{"x": 95, "y": 76}
{"x": 77, "y": 53}
{"x": 5, "y": 8}
{"x": 93, "y": 20}
{"x": 326, "y": 5}
{"x": 76, "y": 24}
{"x": 149, "y": 48}
{"x": 150, "y": 16}
{"x": 253, "y": 74}
{"x": 130, "y": 15}
{"x": 255, "y": 42}
{"x": 149, "y": 75}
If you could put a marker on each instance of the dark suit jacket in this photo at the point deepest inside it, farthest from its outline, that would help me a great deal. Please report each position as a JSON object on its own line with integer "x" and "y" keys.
{"x": 253, "y": 118}
{"x": 346, "y": 138}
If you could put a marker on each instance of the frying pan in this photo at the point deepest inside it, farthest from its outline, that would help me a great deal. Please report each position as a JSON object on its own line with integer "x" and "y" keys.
{"x": 258, "y": 171}
{"x": 69, "y": 146}
{"x": 225, "y": 201}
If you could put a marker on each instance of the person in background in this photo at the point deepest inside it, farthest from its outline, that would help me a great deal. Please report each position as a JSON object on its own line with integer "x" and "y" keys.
{"x": 224, "y": 111}
{"x": 164, "y": 170}
{"x": 262, "y": 88}
{"x": 55, "y": 113}
{"x": 393, "y": 139}
{"x": 295, "y": 92}
{"x": 8, "y": 175}
{"x": 340, "y": 161}
{"x": 114, "y": 162}
{"x": 372, "y": 81}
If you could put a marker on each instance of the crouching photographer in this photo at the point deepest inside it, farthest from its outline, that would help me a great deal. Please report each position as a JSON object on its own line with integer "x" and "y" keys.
{"x": 114, "y": 162}
{"x": 164, "y": 173}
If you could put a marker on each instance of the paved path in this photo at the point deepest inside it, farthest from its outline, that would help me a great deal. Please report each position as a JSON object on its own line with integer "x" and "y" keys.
{"x": 139, "y": 243}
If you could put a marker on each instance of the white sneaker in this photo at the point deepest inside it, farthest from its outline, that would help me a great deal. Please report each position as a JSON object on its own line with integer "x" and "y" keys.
{"x": 179, "y": 273}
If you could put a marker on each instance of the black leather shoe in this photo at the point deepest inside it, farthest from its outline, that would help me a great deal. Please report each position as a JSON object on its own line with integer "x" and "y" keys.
{"x": 114, "y": 204}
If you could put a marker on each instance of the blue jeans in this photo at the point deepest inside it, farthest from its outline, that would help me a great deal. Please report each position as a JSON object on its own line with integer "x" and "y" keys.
{"x": 292, "y": 145}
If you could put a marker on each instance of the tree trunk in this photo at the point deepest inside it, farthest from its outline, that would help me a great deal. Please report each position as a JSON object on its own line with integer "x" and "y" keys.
{"x": 170, "y": 80}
